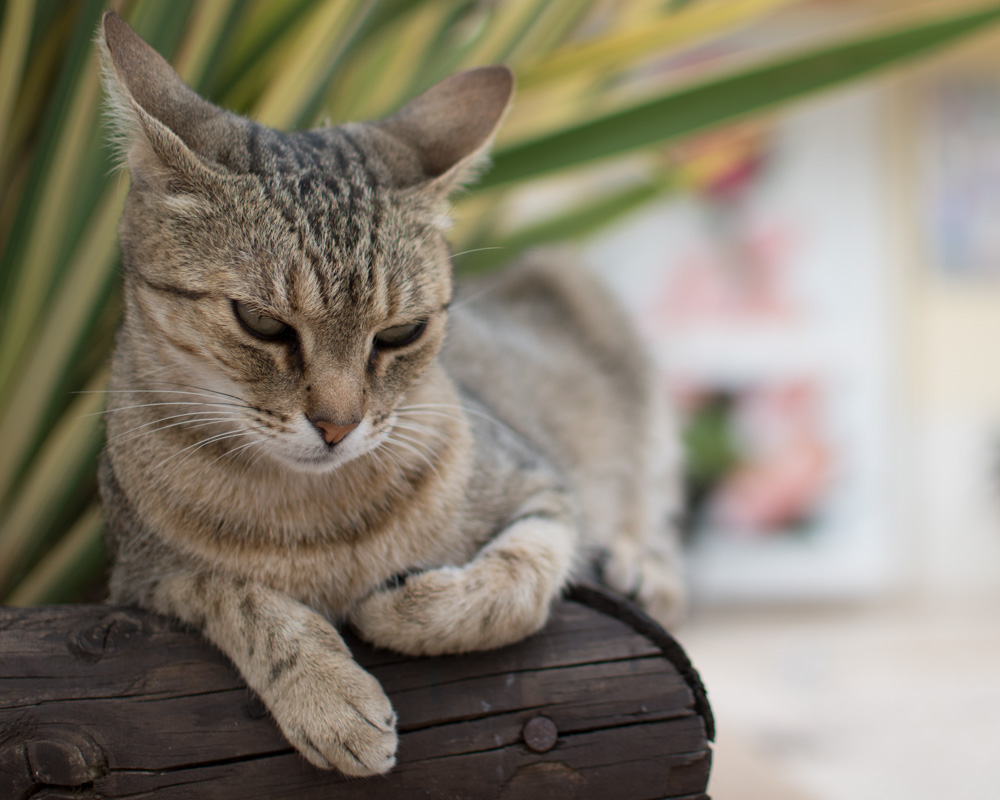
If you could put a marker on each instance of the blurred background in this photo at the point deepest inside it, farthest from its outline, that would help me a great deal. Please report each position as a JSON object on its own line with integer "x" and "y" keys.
{"x": 798, "y": 202}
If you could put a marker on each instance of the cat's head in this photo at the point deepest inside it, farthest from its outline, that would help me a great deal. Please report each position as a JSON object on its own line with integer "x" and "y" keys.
{"x": 305, "y": 274}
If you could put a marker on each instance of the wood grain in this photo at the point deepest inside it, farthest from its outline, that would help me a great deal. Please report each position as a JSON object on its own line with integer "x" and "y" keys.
{"x": 106, "y": 702}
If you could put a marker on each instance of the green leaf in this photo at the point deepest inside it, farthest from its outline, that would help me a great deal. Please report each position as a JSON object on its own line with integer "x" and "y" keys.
{"x": 69, "y": 452}
{"x": 67, "y": 568}
{"x": 23, "y": 418}
{"x": 57, "y": 158}
{"x": 262, "y": 27}
{"x": 15, "y": 35}
{"x": 308, "y": 59}
{"x": 601, "y": 56}
{"x": 722, "y": 100}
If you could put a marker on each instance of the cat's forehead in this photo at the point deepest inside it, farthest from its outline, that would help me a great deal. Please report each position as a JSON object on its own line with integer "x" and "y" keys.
{"x": 366, "y": 281}
{"x": 338, "y": 155}
{"x": 326, "y": 232}
{"x": 323, "y": 183}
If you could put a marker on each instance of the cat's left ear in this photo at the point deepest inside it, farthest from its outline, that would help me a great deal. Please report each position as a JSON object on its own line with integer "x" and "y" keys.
{"x": 449, "y": 128}
{"x": 171, "y": 137}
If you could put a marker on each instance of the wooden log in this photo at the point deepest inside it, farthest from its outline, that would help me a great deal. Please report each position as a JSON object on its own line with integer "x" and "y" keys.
{"x": 105, "y": 702}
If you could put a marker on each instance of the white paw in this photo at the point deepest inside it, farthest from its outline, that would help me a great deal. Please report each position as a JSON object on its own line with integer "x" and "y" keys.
{"x": 338, "y": 716}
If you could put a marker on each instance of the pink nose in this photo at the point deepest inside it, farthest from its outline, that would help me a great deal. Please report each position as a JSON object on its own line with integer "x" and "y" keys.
{"x": 334, "y": 433}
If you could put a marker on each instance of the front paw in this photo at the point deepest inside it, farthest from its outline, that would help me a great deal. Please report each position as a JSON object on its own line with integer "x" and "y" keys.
{"x": 419, "y": 617}
{"x": 339, "y": 717}
{"x": 451, "y": 610}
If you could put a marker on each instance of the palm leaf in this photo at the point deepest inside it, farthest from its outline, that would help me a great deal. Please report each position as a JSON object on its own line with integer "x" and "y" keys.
{"x": 14, "y": 38}
{"x": 67, "y": 568}
{"x": 624, "y": 46}
{"x": 725, "y": 99}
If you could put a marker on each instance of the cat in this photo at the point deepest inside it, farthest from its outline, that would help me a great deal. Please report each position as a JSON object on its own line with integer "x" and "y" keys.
{"x": 307, "y": 425}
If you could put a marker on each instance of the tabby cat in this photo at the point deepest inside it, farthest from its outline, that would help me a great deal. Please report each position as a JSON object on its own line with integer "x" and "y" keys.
{"x": 305, "y": 425}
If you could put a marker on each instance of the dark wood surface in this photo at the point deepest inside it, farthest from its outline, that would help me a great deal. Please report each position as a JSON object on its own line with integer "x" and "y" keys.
{"x": 106, "y": 702}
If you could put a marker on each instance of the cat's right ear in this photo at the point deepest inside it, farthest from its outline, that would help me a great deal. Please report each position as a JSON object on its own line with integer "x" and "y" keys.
{"x": 449, "y": 128}
{"x": 168, "y": 133}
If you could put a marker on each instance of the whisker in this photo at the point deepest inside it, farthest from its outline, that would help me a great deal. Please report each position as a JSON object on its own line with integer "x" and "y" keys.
{"x": 432, "y": 406}
{"x": 194, "y": 448}
{"x": 218, "y": 437}
{"x": 201, "y": 388}
{"x": 485, "y": 286}
{"x": 427, "y": 412}
{"x": 381, "y": 450}
{"x": 436, "y": 406}
{"x": 474, "y": 250}
{"x": 398, "y": 440}
{"x": 220, "y": 416}
{"x": 227, "y": 454}
{"x": 265, "y": 449}
{"x": 153, "y": 405}
{"x": 425, "y": 449}
{"x": 211, "y": 396}
{"x": 429, "y": 408}
{"x": 174, "y": 416}
{"x": 434, "y": 426}
{"x": 417, "y": 427}
{"x": 432, "y": 229}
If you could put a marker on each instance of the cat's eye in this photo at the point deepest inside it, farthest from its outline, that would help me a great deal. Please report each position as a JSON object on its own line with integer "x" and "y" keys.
{"x": 258, "y": 324}
{"x": 399, "y": 335}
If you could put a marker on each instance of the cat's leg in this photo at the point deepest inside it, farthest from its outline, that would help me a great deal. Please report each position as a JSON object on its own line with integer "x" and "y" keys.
{"x": 501, "y": 596}
{"x": 326, "y": 705}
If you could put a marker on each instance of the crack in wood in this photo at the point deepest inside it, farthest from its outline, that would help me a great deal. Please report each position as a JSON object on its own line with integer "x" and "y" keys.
{"x": 196, "y": 765}
{"x": 139, "y": 697}
{"x": 538, "y": 670}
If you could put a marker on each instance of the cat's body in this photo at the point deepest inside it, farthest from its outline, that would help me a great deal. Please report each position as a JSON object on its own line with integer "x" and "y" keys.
{"x": 306, "y": 425}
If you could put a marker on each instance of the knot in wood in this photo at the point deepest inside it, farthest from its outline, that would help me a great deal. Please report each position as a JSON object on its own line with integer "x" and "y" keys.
{"x": 69, "y": 759}
{"x": 114, "y": 632}
{"x": 540, "y": 734}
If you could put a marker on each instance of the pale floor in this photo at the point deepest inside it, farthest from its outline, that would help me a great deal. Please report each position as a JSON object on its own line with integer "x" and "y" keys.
{"x": 899, "y": 701}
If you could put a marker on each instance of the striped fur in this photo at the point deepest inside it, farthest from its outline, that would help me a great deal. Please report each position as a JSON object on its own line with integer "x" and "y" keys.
{"x": 490, "y": 441}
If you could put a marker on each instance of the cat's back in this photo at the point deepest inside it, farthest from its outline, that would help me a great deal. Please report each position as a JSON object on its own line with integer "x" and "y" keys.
{"x": 535, "y": 327}
{"x": 546, "y": 347}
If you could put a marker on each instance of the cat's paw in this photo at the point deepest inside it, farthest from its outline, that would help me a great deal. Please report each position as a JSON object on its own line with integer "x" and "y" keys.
{"x": 652, "y": 579}
{"x": 450, "y": 610}
{"x": 339, "y": 718}
{"x": 418, "y": 618}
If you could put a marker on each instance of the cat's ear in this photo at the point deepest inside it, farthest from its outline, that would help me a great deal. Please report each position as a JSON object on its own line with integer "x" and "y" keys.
{"x": 169, "y": 134}
{"x": 450, "y": 126}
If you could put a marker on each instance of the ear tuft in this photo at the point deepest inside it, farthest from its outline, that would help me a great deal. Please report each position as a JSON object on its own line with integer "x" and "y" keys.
{"x": 451, "y": 125}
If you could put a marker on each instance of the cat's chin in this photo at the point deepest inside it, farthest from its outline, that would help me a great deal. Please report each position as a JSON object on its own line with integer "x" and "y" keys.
{"x": 314, "y": 464}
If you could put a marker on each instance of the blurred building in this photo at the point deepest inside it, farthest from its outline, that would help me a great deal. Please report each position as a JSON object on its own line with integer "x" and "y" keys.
{"x": 823, "y": 300}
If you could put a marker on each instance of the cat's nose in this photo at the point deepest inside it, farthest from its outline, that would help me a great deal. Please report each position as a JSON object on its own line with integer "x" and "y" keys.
{"x": 333, "y": 433}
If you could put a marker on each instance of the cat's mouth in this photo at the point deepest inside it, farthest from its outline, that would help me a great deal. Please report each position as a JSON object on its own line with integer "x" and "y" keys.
{"x": 307, "y": 450}
{"x": 316, "y": 461}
